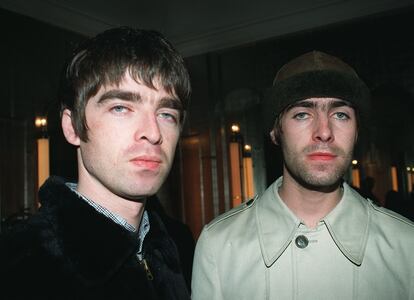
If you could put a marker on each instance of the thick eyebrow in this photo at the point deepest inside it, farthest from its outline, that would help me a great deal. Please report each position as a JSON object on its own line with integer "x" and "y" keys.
{"x": 324, "y": 106}
{"x": 119, "y": 94}
{"x": 170, "y": 102}
{"x": 339, "y": 103}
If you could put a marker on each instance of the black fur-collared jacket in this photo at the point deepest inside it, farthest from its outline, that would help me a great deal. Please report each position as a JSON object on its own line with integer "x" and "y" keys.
{"x": 70, "y": 251}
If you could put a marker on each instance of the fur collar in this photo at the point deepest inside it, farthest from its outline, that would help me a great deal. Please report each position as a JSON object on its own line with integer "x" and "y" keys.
{"x": 94, "y": 246}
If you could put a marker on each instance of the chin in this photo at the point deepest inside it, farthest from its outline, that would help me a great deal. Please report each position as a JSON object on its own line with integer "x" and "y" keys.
{"x": 319, "y": 181}
{"x": 328, "y": 181}
{"x": 136, "y": 191}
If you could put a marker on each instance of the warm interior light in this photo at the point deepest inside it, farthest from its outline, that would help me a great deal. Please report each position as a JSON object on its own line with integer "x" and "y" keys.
{"x": 236, "y": 187}
{"x": 408, "y": 169}
{"x": 42, "y": 160}
{"x": 354, "y": 162}
{"x": 248, "y": 183}
{"x": 247, "y": 148}
{"x": 394, "y": 179}
{"x": 235, "y": 128}
{"x": 356, "y": 179}
{"x": 40, "y": 122}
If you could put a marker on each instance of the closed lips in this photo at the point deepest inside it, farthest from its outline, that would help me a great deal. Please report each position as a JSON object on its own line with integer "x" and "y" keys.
{"x": 321, "y": 156}
{"x": 150, "y": 162}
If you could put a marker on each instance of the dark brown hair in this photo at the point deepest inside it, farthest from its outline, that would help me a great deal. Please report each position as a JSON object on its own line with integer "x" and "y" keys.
{"x": 104, "y": 59}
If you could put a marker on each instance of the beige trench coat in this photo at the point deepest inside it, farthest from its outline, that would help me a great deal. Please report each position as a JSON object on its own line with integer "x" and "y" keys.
{"x": 358, "y": 251}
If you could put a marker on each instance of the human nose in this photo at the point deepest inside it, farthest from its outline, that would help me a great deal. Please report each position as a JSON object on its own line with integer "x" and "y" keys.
{"x": 323, "y": 130}
{"x": 148, "y": 129}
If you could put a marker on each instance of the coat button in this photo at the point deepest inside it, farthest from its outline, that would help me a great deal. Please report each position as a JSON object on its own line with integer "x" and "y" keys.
{"x": 301, "y": 241}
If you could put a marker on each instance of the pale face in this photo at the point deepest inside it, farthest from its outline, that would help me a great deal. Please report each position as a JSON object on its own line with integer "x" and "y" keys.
{"x": 133, "y": 132}
{"x": 317, "y": 140}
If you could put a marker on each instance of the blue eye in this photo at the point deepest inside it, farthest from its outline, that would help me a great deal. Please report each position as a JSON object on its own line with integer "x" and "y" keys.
{"x": 341, "y": 116}
{"x": 301, "y": 116}
{"x": 119, "y": 109}
{"x": 169, "y": 117}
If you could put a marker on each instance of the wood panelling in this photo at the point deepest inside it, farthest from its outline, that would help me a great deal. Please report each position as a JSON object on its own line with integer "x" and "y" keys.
{"x": 192, "y": 184}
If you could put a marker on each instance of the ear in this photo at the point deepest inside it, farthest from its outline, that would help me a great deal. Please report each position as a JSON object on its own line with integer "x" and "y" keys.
{"x": 273, "y": 136}
{"x": 68, "y": 129}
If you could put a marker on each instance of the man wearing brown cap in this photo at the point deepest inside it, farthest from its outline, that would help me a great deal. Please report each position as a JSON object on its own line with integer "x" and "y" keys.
{"x": 309, "y": 235}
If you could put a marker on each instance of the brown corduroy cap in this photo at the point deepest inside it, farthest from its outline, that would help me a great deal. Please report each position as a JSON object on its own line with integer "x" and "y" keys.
{"x": 317, "y": 74}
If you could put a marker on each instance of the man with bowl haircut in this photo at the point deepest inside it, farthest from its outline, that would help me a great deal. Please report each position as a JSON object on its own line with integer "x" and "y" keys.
{"x": 124, "y": 94}
{"x": 309, "y": 235}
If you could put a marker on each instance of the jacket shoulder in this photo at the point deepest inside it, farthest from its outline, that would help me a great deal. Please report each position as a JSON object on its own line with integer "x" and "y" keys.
{"x": 234, "y": 212}
{"x": 23, "y": 239}
{"x": 392, "y": 220}
{"x": 385, "y": 217}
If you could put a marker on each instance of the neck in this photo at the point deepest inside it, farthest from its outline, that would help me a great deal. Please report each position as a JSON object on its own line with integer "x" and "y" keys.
{"x": 130, "y": 210}
{"x": 308, "y": 205}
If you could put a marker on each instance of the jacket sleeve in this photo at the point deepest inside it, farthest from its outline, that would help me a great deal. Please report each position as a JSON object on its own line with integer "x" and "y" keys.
{"x": 205, "y": 279}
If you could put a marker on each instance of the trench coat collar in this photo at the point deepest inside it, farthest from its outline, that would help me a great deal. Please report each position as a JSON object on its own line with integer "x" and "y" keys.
{"x": 347, "y": 223}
